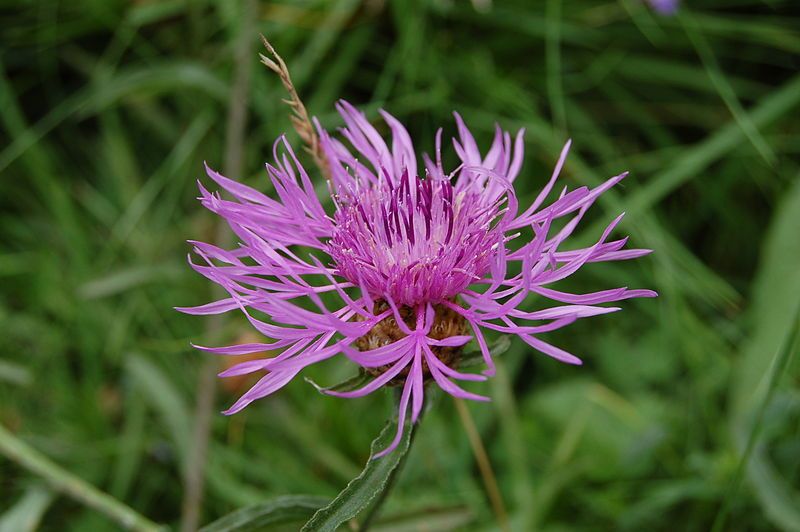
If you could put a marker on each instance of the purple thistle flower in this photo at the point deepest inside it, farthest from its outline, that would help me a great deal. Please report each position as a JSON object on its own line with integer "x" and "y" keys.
{"x": 420, "y": 265}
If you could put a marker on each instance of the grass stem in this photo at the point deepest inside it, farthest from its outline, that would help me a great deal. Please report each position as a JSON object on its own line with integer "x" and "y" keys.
{"x": 71, "y": 485}
{"x": 484, "y": 465}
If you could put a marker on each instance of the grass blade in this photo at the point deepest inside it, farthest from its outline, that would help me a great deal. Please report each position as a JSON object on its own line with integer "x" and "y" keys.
{"x": 26, "y": 514}
{"x": 725, "y": 90}
{"x": 282, "y": 510}
{"x": 75, "y": 487}
{"x": 789, "y": 517}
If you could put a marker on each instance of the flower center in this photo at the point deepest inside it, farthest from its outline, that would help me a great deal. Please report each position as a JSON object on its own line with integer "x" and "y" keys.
{"x": 416, "y": 240}
{"x": 446, "y": 323}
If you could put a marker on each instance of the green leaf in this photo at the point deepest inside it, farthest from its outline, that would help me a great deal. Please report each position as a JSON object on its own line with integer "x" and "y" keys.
{"x": 73, "y": 486}
{"x": 366, "y": 487}
{"x": 282, "y": 510}
{"x": 26, "y": 514}
{"x": 473, "y": 358}
{"x": 165, "y": 399}
{"x": 778, "y": 499}
{"x": 774, "y": 319}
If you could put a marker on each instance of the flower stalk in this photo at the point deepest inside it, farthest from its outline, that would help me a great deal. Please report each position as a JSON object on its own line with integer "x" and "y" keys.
{"x": 484, "y": 464}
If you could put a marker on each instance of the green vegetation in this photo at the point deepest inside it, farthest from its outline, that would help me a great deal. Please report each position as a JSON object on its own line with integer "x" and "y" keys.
{"x": 685, "y": 414}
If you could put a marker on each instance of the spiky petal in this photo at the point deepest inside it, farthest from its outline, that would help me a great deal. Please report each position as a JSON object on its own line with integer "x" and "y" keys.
{"x": 404, "y": 247}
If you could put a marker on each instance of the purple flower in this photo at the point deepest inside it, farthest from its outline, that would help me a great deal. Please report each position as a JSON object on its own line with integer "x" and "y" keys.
{"x": 420, "y": 261}
{"x": 664, "y": 7}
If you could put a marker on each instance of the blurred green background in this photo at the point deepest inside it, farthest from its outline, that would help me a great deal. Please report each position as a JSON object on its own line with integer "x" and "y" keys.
{"x": 687, "y": 410}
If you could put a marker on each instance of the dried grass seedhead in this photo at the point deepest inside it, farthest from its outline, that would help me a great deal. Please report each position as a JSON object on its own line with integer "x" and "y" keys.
{"x": 300, "y": 120}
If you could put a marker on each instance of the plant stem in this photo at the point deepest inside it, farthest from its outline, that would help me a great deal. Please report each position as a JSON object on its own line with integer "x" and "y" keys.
{"x": 484, "y": 465}
{"x": 71, "y": 485}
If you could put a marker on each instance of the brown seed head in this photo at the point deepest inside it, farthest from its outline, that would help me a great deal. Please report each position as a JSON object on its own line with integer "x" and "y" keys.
{"x": 446, "y": 323}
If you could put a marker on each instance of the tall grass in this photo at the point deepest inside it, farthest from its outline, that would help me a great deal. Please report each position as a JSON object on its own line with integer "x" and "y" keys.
{"x": 686, "y": 411}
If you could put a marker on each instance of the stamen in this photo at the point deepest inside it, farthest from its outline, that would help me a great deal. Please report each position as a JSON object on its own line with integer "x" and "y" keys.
{"x": 423, "y": 240}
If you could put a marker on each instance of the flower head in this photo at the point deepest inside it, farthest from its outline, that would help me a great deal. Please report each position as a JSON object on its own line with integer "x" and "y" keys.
{"x": 419, "y": 261}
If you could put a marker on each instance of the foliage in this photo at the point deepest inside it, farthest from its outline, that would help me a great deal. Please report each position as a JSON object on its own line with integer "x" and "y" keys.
{"x": 109, "y": 109}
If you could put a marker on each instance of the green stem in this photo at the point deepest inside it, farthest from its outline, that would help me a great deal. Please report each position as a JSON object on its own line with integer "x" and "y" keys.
{"x": 67, "y": 483}
{"x": 484, "y": 464}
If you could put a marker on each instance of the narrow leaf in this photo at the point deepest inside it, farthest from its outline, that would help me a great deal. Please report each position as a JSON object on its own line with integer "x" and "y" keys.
{"x": 282, "y": 510}
{"x": 366, "y": 487}
{"x": 763, "y": 359}
{"x": 26, "y": 514}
